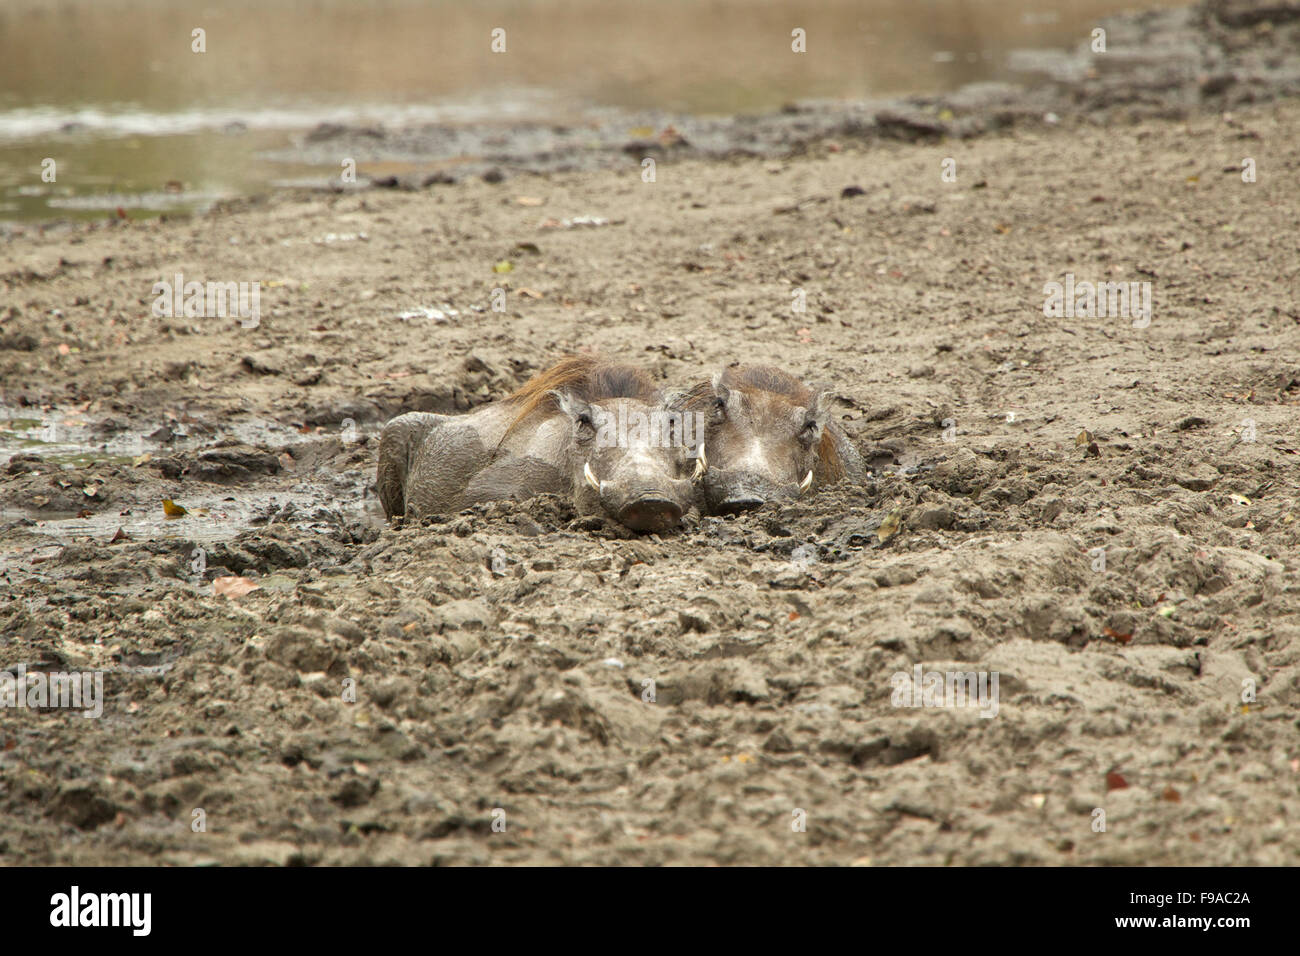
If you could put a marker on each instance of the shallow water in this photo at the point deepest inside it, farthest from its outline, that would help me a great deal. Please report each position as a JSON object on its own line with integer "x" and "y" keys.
{"x": 211, "y": 517}
{"x": 68, "y": 437}
{"x": 75, "y": 441}
{"x": 136, "y": 122}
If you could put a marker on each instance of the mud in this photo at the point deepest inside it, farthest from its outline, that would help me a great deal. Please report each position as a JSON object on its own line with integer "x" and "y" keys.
{"x": 1104, "y": 514}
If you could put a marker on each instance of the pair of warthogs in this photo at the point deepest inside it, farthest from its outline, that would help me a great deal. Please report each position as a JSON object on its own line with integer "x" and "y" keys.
{"x": 606, "y": 435}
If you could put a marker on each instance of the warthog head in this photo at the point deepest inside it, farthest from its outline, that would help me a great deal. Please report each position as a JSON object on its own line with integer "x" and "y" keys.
{"x": 767, "y": 437}
{"x": 631, "y": 460}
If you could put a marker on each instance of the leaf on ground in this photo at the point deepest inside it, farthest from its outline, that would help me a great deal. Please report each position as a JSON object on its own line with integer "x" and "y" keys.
{"x": 172, "y": 510}
{"x": 233, "y": 587}
{"x": 1083, "y": 438}
{"x": 505, "y": 265}
{"x": 1116, "y": 635}
{"x": 889, "y": 527}
{"x": 1115, "y": 781}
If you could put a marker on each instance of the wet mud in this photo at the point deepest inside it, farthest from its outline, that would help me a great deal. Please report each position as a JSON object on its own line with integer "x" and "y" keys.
{"x": 1102, "y": 512}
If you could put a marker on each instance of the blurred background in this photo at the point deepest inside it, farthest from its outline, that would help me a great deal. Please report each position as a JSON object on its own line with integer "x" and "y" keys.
{"x": 135, "y": 120}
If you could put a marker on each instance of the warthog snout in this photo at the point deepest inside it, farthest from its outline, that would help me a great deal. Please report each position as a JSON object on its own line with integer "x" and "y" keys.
{"x": 650, "y": 513}
{"x": 653, "y": 507}
{"x": 728, "y": 491}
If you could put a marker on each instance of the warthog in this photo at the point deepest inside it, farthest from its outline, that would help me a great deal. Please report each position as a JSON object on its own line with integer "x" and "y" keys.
{"x": 768, "y": 436}
{"x": 558, "y": 433}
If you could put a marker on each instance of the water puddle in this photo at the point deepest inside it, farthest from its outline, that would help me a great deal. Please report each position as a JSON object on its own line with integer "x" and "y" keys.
{"x": 78, "y": 443}
{"x": 117, "y": 104}
{"x": 209, "y": 517}
{"x": 70, "y": 438}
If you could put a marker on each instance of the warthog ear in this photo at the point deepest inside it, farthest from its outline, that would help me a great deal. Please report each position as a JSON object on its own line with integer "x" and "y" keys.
{"x": 674, "y": 399}
{"x": 816, "y": 415}
{"x": 573, "y": 406}
{"x": 719, "y": 389}
{"x": 823, "y": 401}
{"x": 726, "y": 397}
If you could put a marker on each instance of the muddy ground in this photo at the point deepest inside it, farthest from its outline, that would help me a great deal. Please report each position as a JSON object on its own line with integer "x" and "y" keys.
{"x": 500, "y": 657}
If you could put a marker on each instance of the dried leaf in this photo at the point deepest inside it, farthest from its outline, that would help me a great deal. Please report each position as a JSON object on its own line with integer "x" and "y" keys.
{"x": 233, "y": 587}
{"x": 120, "y": 536}
{"x": 172, "y": 510}
{"x": 1116, "y": 635}
{"x": 889, "y": 527}
{"x": 1115, "y": 781}
{"x": 1083, "y": 438}
{"x": 505, "y": 265}
{"x": 1171, "y": 795}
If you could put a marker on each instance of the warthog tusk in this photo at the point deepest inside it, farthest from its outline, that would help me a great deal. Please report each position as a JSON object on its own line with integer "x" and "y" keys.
{"x": 701, "y": 464}
{"x": 590, "y": 476}
{"x": 807, "y": 481}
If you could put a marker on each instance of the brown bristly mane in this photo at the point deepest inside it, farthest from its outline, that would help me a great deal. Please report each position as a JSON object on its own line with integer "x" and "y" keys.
{"x": 767, "y": 378}
{"x": 590, "y": 377}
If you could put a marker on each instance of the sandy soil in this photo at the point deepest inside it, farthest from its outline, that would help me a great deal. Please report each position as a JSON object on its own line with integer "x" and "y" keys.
{"x": 500, "y": 656}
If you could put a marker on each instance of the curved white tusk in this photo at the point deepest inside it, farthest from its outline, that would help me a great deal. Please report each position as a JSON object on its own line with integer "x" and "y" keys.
{"x": 701, "y": 464}
{"x": 590, "y": 476}
{"x": 807, "y": 481}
